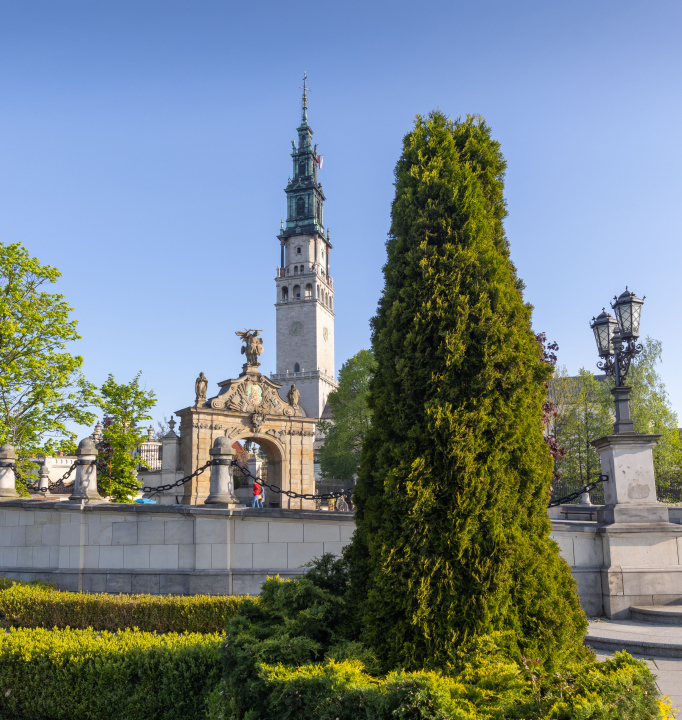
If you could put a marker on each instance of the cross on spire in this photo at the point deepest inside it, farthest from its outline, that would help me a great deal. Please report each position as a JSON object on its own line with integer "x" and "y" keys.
{"x": 306, "y": 90}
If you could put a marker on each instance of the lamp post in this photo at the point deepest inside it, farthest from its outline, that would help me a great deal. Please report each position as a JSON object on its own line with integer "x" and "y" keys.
{"x": 616, "y": 340}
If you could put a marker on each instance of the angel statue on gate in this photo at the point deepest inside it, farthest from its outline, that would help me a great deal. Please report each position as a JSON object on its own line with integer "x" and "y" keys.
{"x": 253, "y": 346}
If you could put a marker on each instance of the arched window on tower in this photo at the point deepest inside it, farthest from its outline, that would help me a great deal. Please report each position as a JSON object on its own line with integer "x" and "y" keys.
{"x": 300, "y": 207}
{"x": 308, "y": 291}
{"x": 298, "y": 250}
{"x": 301, "y": 168}
{"x": 331, "y": 303}
{"x": 297, "y": 368}
{"x": 285, "y": 294}
{"x": 295, "y": 269}
{"x": 297, "y": 292}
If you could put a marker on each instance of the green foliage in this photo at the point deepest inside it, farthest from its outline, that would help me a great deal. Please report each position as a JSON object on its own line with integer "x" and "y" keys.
{"x": 452, "y": 538}
{"x": 125, "y": 405}
{"x": 584, "y": 412}
{"x": 40, "y": 605}
{"x": 340, "y": 454}
{"x": 278, "y": 674}
{"x": 83, "y": 674}
{"x": 582, "y": 415}
{"x": 41, "y": 386}
{"x": 651, "y": 411}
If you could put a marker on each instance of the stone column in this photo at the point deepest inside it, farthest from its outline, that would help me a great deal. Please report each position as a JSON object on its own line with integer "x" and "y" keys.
{"x": 44, "y": 480}
{"x": 85, "y": 486}
{"x": 630, "y": 492}
{"x": 640, "y": 546}
{"x": 222, "y": 485}
{"x": 8, "y": 490}
{"x": 170, "y": 452}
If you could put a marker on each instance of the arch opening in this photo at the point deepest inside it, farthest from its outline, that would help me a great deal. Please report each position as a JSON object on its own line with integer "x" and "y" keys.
{"x": 263, "y": 458}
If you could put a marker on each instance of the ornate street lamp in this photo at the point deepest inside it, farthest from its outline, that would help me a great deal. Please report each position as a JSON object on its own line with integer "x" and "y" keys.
{"x": 617, "y": 345}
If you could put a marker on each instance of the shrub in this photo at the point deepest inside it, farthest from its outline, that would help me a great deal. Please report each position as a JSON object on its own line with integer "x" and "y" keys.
{"x": 35, "y": 605}
{"x": 490, "y": 685}
{"x": 291, "y": 656}
{"x": 132, "y": 675}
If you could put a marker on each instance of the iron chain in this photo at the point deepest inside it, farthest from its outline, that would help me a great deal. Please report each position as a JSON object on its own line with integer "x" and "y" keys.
{"x": 147, "y": 489}
{"x": 35, "y": 486}
{"x": 345, "y": 494}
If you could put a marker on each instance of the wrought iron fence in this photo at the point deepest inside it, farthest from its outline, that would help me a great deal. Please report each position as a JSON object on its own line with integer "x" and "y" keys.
{"x": 561, "y": 488}
{"x": 668, "y": 490}
{"x": 324, "y": 487}
{"x": 150, "y": 452}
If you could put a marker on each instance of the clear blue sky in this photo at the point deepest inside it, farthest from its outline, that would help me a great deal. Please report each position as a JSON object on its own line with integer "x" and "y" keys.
{"x": 144, "y": 148}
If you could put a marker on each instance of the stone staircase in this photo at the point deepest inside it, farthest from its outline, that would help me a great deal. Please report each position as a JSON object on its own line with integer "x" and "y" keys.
{"x": 652, "y": 630}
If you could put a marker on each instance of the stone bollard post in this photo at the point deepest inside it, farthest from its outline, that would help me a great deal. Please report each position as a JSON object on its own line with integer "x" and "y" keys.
{"x": 222, "y": 484}
{"x": 8, "y": 490}
{"x": 44, "y": 480}
{"x": 85, "y": 486}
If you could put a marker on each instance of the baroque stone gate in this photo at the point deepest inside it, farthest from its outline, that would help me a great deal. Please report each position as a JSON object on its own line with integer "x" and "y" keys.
{"x": 250, "y": 407}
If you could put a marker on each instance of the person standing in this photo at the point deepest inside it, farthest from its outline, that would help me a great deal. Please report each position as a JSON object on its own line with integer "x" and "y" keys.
{"x": 256, "y": 495}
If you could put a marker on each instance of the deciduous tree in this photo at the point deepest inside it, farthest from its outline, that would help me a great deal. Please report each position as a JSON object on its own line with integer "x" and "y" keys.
{"x": 351, "y": 418}
{"x": 125, "y": 406}
{"x": 42, "y": 389}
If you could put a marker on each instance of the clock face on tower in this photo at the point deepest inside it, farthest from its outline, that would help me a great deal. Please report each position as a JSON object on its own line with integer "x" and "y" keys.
{"x": 295, "y": 328}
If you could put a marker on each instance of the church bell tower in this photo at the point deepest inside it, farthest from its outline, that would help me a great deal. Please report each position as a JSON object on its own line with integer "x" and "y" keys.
{"x": 305, "y": 291}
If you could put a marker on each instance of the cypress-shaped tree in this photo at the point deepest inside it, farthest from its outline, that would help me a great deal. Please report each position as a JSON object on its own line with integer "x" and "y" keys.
{"x": 452, "y": 536}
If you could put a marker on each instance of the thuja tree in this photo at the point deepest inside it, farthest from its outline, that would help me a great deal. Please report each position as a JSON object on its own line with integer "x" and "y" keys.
{"x": 452, "y": 533}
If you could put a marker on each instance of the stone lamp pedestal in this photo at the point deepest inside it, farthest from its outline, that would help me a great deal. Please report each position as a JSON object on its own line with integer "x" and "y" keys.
{"x": 641, "y": 548}
{"x": 222, "y": 484}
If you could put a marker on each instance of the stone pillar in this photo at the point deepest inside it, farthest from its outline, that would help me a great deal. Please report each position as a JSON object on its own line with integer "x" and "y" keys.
{"x": 44, "y": 480}
{"x": 8, "y": 490}
{"x": 85, "y": 486}
{"x": 170, "y": 452}
{"x": 255, "y": 467}
{"x": 640, "y": 546}
{"x": 222, "y": 485}
{"x": 630, "y": 492}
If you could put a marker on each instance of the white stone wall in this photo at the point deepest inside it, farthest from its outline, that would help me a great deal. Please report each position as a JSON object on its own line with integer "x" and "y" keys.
{"x": 191, "y": 549}
{"x": 61, "y": 539}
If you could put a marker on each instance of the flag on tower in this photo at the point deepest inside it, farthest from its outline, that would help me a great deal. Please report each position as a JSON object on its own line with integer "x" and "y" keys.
{"x": 320, "y": 158}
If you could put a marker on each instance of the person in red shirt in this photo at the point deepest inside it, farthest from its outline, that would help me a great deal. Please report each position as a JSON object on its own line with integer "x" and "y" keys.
{"x": 257, "y": 502}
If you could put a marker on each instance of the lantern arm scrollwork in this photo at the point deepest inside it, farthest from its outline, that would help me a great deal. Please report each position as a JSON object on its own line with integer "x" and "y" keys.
{"x": 617, "y": 365}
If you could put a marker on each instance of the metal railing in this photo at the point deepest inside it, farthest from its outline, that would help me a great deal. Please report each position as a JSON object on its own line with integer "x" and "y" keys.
{"x": 151, "y": 453}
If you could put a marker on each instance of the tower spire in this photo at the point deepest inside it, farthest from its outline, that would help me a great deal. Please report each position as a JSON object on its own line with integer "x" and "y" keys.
{"x": 305, "y": 89}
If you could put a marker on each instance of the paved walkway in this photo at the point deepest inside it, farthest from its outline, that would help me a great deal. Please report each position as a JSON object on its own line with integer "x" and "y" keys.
{"x": 668, "y": 670}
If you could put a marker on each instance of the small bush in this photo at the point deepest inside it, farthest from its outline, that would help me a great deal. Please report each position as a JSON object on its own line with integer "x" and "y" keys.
{"x": 490, "y": 687}
{"x": 39, "y": 605}
{"x": 290, "y": 656}
{"x": 132, "y": 675}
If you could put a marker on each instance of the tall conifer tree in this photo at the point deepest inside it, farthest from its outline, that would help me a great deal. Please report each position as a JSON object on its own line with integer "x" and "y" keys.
{"x": 453, "y": 535}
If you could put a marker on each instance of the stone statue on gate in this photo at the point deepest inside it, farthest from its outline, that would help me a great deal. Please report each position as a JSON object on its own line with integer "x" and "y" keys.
{"x": 253, "y": 346}
{"x": 294, "y": 396}
{"x": 200, "y": 387}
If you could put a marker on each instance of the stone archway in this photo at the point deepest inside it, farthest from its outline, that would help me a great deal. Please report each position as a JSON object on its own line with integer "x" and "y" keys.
{"x": 250, "y": 407}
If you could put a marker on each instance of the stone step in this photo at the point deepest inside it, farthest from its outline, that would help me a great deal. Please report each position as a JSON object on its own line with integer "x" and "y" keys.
{"x": 658, "y": 614}
{"x": 637, "y": 637}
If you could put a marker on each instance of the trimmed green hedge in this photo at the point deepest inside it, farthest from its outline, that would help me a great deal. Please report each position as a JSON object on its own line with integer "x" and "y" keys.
{"x": 74, "y": 674}
{"x": 36, "y": 605}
